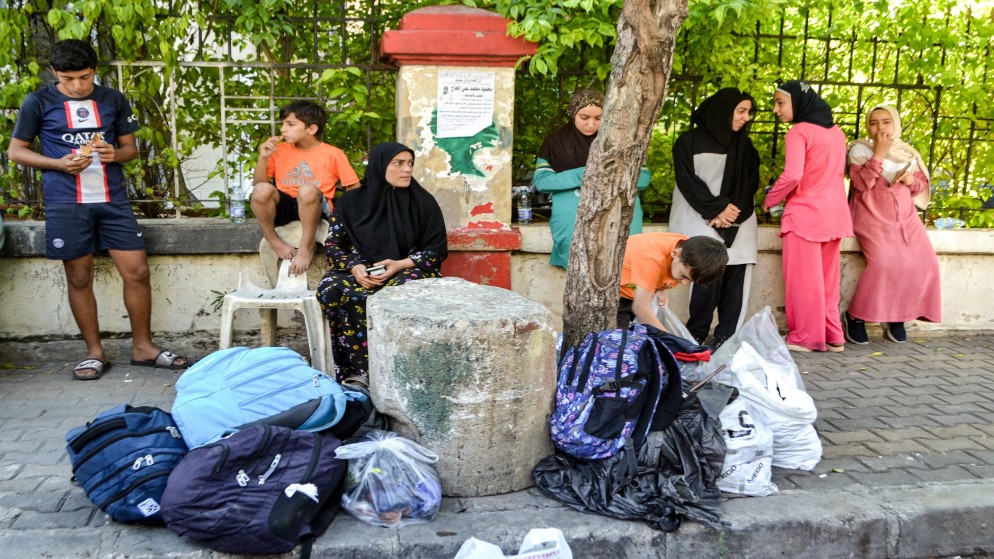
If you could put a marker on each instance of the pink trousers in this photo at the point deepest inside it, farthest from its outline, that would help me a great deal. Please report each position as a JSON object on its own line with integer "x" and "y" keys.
{"x": 811, "y": 278}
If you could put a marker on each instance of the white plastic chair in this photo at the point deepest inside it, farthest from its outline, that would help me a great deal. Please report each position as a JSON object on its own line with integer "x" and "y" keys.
{"x": 289, "y": 292}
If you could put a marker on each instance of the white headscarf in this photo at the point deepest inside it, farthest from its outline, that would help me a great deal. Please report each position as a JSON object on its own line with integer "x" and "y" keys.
{"x": 899, "y": 154}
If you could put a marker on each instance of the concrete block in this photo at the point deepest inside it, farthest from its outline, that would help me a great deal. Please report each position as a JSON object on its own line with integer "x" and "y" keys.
{"x": 468, "y": 371}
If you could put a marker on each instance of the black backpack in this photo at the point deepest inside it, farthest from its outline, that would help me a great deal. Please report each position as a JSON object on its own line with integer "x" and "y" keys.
{"x": 261, "y": 490}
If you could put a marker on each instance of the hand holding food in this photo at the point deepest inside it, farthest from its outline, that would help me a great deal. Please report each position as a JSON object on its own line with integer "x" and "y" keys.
{"x": 269, "y": 146}
{"x": 86, "y": 150}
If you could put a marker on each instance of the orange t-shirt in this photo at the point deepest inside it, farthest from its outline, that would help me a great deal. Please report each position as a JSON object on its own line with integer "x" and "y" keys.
{"x": 647, "y": 263}
{"x": 322, "y": 166}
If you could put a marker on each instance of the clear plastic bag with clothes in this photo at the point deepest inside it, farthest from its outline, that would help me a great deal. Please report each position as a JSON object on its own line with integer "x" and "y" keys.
{"x": 670, "y": 321}
{"x": 391, "y": 480}
{"x": 690, "y": 371}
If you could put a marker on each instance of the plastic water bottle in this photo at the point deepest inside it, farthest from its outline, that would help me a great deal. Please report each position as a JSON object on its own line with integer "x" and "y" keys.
{"x": 236, "y": 204}
{"x": 524, "y": 207}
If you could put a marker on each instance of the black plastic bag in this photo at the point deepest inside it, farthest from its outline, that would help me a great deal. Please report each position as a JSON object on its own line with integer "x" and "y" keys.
{"x": 675, "y": 476}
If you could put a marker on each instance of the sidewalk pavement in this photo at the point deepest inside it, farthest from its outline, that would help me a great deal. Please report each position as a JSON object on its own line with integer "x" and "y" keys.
{"x": 907, "y": 472}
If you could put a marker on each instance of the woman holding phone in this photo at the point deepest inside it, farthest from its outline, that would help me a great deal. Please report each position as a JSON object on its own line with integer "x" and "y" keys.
{"x": 387, "y": 232}
{"x": 901, "y": 280}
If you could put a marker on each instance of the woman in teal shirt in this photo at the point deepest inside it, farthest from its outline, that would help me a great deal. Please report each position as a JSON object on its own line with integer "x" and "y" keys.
{"x": 559, "y": 170}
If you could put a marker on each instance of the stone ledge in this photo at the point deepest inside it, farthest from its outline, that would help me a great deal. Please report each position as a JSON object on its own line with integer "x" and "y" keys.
{"x": 537, "y": 238}
{"x": 207, "y": 235}
{"x": 199, "y": 235}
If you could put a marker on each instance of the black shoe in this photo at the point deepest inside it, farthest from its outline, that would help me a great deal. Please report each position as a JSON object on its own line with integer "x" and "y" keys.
{"x": 854, "y": 329}
{"x": 895, "y": 331}
{"x": 717, "y": 342}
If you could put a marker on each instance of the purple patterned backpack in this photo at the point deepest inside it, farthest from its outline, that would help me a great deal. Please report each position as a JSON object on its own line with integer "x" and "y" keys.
{"x": 609, "y": 391}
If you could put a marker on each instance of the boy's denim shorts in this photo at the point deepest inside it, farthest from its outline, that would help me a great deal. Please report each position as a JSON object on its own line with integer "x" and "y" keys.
{"x": 76, "y": 230}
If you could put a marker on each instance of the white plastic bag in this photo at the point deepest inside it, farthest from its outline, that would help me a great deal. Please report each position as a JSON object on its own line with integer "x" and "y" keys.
{"x": 773, "y": 397}
{"x": 391, "y": 480}
{"x": 748, "y": 455}
{"x": 538, "y": 543}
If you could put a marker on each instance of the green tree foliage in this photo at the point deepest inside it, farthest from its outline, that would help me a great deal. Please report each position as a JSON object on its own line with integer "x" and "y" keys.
{"x": 175, "y": 61}
{"x": 930, "y": 57}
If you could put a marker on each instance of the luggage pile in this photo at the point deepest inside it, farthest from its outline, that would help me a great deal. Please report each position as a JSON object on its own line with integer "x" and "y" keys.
{"x": 630, "y": 442}
{"x": 245, "y": 463}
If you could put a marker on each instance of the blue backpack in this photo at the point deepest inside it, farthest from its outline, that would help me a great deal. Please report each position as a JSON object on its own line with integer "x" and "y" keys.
{"x": 239, "y": 387}
{"x": 259, "y": 491}
{"x": 122, "y": 460}
{"x": 613, "y": 388}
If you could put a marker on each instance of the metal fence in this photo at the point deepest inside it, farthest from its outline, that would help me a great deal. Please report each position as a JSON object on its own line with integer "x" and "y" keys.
{"x": 240, "y": 99}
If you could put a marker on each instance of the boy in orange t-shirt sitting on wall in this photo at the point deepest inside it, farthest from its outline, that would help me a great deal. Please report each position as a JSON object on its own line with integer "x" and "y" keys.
{"x": 306, "y": 172}
{"x": 655, "y": 262}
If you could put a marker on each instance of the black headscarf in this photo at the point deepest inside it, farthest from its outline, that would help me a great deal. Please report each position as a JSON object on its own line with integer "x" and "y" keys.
{"x": 385, "y": 222}
{"x": 567, "y": 148}
{"x": 808, "y": 106}
{"x": 713, "y": 133}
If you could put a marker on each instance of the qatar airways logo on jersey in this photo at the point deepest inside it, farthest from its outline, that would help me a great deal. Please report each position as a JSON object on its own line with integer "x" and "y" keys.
{"x": 79, "y": 138}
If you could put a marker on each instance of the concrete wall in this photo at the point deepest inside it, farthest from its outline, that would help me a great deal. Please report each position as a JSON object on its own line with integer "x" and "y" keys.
{"x": 966, "y": 262}
{"x": 192, "y": 260}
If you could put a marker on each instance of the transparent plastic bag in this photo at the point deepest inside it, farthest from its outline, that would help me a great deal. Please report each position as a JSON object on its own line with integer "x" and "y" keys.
{"x": 760, "y": 332}
{"x": 391, "y": 480}
{"x": 670, "y": 321}
{"x": 691, "y": 371}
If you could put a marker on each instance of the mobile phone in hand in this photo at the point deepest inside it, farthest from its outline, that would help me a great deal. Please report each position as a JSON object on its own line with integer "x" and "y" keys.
{"x": 902, "y": 172}
{"x": 376, "y": 270}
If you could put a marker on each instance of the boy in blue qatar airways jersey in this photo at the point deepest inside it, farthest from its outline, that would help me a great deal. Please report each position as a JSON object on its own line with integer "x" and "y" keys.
{"x": 86, "y": 132}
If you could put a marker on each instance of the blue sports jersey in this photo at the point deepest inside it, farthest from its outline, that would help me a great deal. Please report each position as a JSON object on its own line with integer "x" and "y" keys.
{"x": 64, "y": 124}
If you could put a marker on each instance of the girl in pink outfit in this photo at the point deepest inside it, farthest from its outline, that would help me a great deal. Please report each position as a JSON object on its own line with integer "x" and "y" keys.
{"x": 815, "y": 217}
{"x": 901, "y": 280}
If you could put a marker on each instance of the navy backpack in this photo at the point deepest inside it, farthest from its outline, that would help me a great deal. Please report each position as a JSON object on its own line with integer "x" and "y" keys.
{"x": 122, "y": 460}
{"x": 259, "y": 491}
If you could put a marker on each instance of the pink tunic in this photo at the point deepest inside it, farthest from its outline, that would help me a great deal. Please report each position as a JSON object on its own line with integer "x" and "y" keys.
{"x": 901, "y": 280}
{"x": 813, "y": 184}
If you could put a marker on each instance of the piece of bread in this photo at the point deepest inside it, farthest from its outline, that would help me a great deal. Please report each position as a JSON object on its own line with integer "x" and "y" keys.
{"x": 86, "y": 150}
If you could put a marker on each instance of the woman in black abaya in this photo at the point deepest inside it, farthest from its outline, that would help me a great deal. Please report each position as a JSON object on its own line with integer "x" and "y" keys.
{"x": 390, "y": 221}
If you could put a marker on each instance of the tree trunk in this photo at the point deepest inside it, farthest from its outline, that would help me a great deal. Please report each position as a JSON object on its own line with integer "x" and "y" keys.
{"x": 640, "y": 71}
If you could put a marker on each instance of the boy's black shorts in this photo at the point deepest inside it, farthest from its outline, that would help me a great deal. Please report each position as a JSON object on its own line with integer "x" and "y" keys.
{"x": 286, "y": 209}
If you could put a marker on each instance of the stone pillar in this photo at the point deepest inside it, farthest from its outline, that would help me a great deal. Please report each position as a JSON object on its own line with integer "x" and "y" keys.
{"x": 468, "y": 371}
{"x": 455, "y": 108}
